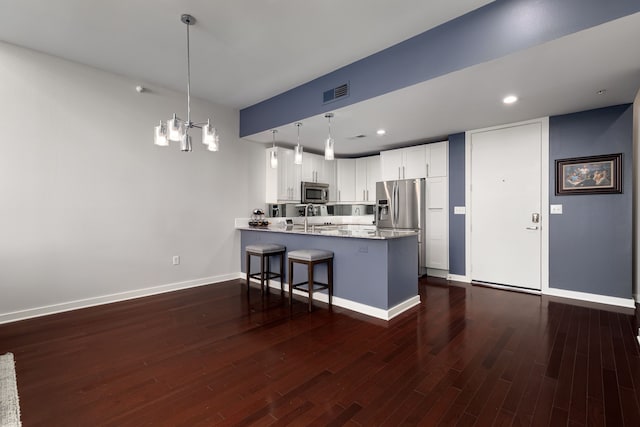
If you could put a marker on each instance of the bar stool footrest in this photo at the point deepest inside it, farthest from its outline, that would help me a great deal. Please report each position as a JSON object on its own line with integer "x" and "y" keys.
{"x": 270, "y": 275}
{"x": 305, "y": 286}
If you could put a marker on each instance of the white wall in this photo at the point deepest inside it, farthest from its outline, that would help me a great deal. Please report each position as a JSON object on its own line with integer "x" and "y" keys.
{"x": 636, "y": 201}
{"x": 89, "y": 207}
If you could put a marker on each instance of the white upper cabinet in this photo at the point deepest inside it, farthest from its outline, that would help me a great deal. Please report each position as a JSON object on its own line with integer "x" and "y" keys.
{"x": 391, "y": 163}
{"x": 437, "y": 159}
{"x": 327, "y": 175}
{"x": 367, "y": 174}
{"x": 312, "y": 167}
{"x": 282, "y": 183}
{"x": 415, "y": 162}
{"x": 346, "y": 180}
{"x": 373, "y": 176}
{"x": 421, "y": 161}
{"x": 316, "y": 169}
{"x": 403, "y": 163}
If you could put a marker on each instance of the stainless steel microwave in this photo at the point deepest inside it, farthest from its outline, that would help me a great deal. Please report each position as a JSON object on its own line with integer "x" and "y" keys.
{"x": 314, "y": 192}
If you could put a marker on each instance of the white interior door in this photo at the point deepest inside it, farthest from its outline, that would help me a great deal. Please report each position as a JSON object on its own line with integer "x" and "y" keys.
{"x": 506, "y": 237}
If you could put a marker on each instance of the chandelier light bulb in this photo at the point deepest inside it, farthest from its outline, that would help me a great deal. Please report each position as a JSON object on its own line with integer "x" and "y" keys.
{"x": 208, "y": 134}
{"x": 161, "y": 137}
{"x": 185, "y": 143}
{"x": 176, "y": 128}
{"x": 215, "y": 145}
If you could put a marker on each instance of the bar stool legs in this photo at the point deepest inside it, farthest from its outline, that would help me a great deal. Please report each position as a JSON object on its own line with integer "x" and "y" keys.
{"x": 311, "y": 258}
{"x": 265, "y": 252}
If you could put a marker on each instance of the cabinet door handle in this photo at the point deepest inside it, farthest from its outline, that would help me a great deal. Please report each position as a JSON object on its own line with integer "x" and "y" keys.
{"x": 427, "y": 170}
{"x": 367, "y": 195}
{"x": 339, "y": 195}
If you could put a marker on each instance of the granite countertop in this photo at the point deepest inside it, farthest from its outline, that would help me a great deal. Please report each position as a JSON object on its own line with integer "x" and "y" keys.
{"x": 345, "y": 230}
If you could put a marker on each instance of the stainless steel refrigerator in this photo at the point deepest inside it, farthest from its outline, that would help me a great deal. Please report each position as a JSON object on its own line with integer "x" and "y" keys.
{"x": 400, "y": 205}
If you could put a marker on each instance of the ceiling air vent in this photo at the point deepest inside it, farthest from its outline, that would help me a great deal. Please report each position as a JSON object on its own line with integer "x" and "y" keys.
{"x": 335, "y": 93}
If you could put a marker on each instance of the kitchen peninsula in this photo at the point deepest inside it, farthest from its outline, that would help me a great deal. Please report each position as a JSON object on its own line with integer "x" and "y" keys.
{"x": 375, "y": 272}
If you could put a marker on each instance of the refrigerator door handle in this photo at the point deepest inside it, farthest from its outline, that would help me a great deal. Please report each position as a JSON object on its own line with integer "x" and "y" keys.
{"x": 396, "y": 204}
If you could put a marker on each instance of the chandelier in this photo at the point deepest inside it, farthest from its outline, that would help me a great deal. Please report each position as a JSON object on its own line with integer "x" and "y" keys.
{"x": 177, "y": 129}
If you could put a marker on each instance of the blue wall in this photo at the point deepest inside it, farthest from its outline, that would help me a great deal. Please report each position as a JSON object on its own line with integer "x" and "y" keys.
{"x": 495, "y": 30}
{"x": 457, "y": 260}
{"x": 590, "y": 243}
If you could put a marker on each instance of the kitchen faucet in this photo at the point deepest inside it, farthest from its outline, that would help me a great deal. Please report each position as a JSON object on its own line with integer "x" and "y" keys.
{"x": 306, "y": 213}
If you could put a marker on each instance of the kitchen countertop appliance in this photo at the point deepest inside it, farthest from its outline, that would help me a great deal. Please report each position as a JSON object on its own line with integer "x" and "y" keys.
{"x": 400, "y": 205}
{"x": 314, "y": 192}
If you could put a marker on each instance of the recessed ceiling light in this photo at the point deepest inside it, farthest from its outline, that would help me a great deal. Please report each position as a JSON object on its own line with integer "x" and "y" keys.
{"x": 510, "y": 99}
{"x": 381, "y": 131}
{"x": 602, "y": 91}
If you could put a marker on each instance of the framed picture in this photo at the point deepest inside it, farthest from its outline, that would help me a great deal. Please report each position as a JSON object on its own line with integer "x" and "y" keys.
{"x": 589, "y": 175}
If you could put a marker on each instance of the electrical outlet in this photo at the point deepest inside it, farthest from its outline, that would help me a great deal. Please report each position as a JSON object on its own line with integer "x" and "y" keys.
{"x": 176, "y": 260}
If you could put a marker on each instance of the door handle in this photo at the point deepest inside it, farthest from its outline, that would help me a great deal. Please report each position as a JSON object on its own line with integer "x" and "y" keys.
{"x": 535, "y": 227}
{"x": 535, "y": 218}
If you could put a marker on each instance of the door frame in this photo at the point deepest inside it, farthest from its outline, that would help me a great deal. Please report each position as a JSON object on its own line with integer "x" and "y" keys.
{"x": 544, "y": 197}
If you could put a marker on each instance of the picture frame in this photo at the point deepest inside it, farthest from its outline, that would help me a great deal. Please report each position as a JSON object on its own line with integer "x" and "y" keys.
{"x": 589, "y": 175}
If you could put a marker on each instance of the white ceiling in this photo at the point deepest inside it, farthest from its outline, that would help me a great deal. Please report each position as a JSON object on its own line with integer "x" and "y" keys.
{"x": 245, "y": 51}
{"x": 242, "y": 51}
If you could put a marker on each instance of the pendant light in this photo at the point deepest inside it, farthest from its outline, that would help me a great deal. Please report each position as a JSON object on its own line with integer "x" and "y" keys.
{"x": 177, "y": 129}
{"x": 297, "y": 156}
{"x": 328, "y": 146}
{"x": 274, "y": 153}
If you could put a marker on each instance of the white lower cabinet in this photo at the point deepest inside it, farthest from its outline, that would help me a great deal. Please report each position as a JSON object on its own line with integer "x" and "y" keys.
{"x": 437, "y": 223}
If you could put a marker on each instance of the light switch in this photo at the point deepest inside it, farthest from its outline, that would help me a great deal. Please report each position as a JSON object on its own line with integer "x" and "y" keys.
{"x": 459, "y": 210}
{"x": 556, "y": 209}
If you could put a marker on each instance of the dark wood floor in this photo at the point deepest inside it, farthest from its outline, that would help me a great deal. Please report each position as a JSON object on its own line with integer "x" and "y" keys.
{"x": 205, "y": 356}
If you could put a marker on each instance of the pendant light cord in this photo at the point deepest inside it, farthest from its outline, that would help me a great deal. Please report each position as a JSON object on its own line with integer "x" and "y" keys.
{"x": 188, "y": 81}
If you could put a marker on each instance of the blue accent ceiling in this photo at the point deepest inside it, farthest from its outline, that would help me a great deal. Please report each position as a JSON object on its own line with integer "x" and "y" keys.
{"x": 457, "y": 233}
{"x": 493, "y": 31}
{"x": 590, "y": 243}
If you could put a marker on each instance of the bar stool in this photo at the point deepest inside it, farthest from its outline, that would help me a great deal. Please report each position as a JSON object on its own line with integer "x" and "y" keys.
{"x": 310, "y": 258}
{"x": 265, "y": 251}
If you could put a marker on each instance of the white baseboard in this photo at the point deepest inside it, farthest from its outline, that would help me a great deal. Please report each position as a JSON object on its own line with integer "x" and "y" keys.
{"x": 111, "y": 298}
{"x": 458, "y": 278}
{"x": 368, "y": 310}
{"x": 434, "y": 272}
{"x": 601, "y": 299}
